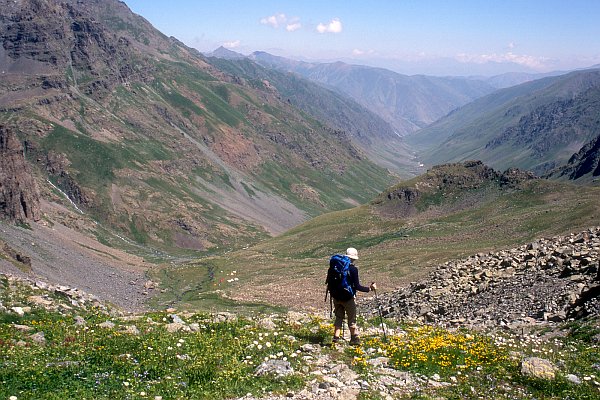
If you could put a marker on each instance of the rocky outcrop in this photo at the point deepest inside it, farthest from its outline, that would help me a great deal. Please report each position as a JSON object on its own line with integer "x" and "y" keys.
{"x": 52, "y": 297}
{"x": 457, "y": 180}
{"x": 15, "y": 255}
{"x": 547, "y": 280}
{"x": 19, "y": 195}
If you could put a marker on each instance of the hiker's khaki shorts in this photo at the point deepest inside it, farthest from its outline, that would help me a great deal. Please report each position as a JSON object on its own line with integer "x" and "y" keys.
{"x": 344, "y": 307}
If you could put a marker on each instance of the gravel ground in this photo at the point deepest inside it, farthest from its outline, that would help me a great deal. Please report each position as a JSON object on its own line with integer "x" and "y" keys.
{"x": 62, "y": 256}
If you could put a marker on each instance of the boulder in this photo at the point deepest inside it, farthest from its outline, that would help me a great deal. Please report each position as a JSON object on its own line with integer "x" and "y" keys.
{"x": 539, "y": 368}
{"x": 107, "y": 325}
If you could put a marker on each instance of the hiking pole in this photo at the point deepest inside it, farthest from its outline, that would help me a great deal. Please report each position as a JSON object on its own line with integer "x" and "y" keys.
{"x": 380, "y": 316}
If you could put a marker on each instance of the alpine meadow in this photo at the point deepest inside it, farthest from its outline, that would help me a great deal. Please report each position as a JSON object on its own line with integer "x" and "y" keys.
{"x": 300, "y": 200}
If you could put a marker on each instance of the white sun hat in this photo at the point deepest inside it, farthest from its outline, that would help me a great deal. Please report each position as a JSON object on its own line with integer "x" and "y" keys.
{"x": 352, "y": 253}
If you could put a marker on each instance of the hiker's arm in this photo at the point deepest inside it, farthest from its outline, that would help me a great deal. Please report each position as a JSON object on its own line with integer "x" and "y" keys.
{"x": 356, "y": 282}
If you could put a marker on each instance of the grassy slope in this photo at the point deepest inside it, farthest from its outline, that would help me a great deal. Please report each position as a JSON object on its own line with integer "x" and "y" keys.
{"x": 90, "y": 352}
{"x": 473, "y": 117}
{"x": 289, "y": 269}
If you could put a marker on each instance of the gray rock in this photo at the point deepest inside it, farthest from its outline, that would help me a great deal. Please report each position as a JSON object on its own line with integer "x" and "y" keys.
{"x": 224, "y": 317}
{"x": 379, "y": 361}
{"x": 131, "y": 330}
{"x": 107, "y": 325}
{"x": 310, "y": 348}
{"x": 176, "y": 327}
{"x": 545, "y": 283}
{"x": 267, "y": 323}
{"x": 64, "y": 364}
{"x": 22, "y": 328}
{"x": 18, "y": 310}
{"x": 347, "y": 376}
{"x": 39, "y": 338}
{"x": 279, "y": 368}
{"x": 40, "y": 301}
{"x": 176, "y": 319}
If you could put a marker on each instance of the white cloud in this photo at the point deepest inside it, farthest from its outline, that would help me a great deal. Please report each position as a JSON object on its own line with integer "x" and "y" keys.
{"x": 334, "y": 26}
{"x": 280, "y": 19}
{"x": 359, "y": 52}
{"x": 511, "y": 45}
{"x": 232, "y": 45}
{"x": 274, "y": 20}
{"x": 294, "y": 26}
{"x": 521, "y": 59}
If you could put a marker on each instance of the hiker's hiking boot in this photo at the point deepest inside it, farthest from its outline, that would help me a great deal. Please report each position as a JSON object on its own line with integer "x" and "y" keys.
{"x": 335, "y": 339}
{"x": 354, "y": 340}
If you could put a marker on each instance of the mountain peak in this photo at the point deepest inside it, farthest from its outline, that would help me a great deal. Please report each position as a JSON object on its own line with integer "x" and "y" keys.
{"x": 223, "y": 52}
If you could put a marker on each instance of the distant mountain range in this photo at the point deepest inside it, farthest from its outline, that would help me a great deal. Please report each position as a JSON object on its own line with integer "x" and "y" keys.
{"x": 538, "y": 125}
{"x": 367, "y": 130}
{"x": 407, "y": 102}
{"x": 523, "y": 125}
{"x": 516, "y": 78}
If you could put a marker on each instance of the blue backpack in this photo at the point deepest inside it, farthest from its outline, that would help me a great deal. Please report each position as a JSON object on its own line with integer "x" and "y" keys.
{"x": 338, "y": 278}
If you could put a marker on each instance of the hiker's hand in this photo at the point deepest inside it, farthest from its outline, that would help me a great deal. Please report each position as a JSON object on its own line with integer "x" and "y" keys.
{"x": 373, "y": 286}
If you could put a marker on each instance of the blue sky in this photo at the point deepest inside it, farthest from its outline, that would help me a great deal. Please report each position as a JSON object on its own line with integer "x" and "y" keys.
{"x": 410, "y": 36}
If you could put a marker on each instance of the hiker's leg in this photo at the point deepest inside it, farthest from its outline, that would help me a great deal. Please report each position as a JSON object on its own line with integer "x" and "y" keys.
{"x": 351, "y": 311}
{"x": 339, "y": 317}
{"x": 337, "y": 332}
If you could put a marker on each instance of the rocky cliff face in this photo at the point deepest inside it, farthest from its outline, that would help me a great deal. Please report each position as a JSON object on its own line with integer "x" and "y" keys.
{"x": 583, "y": 164}
{"x": 67, "y": 46}
{"x": 549, "y": 279}
{"x": 19, "y": 196}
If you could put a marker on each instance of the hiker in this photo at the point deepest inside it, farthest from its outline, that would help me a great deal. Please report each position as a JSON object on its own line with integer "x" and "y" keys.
{"x": 342, "y": 284}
